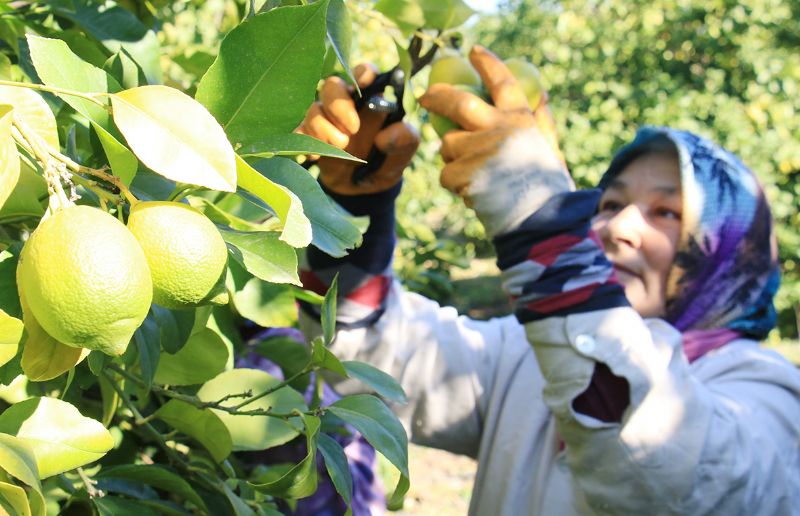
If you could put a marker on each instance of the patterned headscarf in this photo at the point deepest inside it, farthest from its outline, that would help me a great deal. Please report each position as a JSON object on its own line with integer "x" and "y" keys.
{"x": 725, "y": 272}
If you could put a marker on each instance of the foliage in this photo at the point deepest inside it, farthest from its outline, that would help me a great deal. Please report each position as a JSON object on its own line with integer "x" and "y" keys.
{"x": 110, "y": 104}
{"x": 727, "y": 70}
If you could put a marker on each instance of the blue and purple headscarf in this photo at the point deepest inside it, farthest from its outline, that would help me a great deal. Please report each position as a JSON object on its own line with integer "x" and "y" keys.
{"x": 726, "y": 270}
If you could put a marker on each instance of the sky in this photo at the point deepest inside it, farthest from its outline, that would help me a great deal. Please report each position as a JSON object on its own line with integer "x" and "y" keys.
{"x": 485, "y": 6}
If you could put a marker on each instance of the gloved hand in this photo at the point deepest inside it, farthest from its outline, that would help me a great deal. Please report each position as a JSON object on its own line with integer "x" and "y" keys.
{"x": 505, "y": 163}
{"x": 334, "y": 120}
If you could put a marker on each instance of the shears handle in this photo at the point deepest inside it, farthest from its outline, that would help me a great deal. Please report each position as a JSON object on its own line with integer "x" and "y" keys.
{"x": 372, "y": 98}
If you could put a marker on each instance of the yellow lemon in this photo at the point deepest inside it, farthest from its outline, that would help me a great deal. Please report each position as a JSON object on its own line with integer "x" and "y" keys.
{"x": 186, "y": 253}
{"x": 85, "y": 279}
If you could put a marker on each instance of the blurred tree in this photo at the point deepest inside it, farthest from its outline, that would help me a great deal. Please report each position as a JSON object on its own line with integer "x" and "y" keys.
{"x": 728, "y": 70}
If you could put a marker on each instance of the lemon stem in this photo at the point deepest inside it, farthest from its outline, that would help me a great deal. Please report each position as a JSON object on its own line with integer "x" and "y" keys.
{"x": 91, "y": 97}
{"x": 89, "y": 484}
{"x": 98, "y": 173}
{"x": 53, "y": 173}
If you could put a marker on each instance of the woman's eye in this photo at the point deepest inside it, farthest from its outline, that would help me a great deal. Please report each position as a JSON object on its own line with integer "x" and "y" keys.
{"x": 668, "y": 214}
{"x": 609, "y": 205}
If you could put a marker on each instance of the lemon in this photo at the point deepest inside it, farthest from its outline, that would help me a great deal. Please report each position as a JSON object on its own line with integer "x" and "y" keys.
{"x": 458, "y": 71}
{"x": 529, "y": 79}
{"x": 186, "y": 253}
{"x": 85, "y": 279}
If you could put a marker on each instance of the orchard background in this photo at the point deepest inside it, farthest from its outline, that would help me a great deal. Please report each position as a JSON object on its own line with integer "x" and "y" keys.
{"x": 168, "y": 432}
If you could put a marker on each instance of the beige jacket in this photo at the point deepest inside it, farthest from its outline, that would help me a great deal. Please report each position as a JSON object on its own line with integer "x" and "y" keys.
{"x": 718, "y": 436}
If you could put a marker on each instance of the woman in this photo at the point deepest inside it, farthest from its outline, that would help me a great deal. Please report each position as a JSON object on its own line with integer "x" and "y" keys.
{"x": 643, "y": 302}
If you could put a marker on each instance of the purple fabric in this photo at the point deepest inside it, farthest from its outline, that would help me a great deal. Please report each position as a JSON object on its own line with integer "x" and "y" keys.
{"x": 368, "y": 496}
{"x": 726, "y": 270}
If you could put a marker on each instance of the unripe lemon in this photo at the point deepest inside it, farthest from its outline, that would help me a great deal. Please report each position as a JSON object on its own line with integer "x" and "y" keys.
{"x": 456, "y": 70}
{"x": 529, "y": 79}
{"x": 86, "y": 279}
{"x": 186, "y": 253}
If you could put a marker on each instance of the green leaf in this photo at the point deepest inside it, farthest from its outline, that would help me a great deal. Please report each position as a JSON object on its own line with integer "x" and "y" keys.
{"x": 118, "y": 506}
{"x": 395, "y": 502}
{"x": 293, "y": 145}
{"x": 58, "y": 66}
{"x": 340, "y": 35}
{"x": 308, "y": 296}
{"x": 445, "y": 14}
{"x": 218, "y": 216}
{"x": 296, "y": 226}
{"x": 155, "y": 476}
{"x": 44, "y": 357}
{"x": 291, "y": 356}
{"x": 407, "y": 14}
{"x": 9, "y": 299}
{"x": 237, "y": 505}
{"x": 195, "y": 61}
{"x": 373, "y": 377}
{"x": 175, "y": 326}
{"x": 190, "y": 148}
{"x": 118, "y": 28}
{"x": 263, "y": 85}
{"x": 123, "y": 163}
{"x": 148, "y": 342}
{"x": 380, "y": 428}
{"x": 322, "y": 357}
{"x": 332, "y": 230}
{"x": 110, "y": 398}
{"x": 125, "y": 70}
{"x": 33, "y": 111}
{"x": 202, "y": 425}
{"x": 14, "y": 500}
{"x": 337, "y": 466}
{"x": 328, "y": 312}
{"x": 267, "y": 304}
{"x": 37, "y": 502}
{"x": 203, "y": 357}
{"x": 263, "y": 255}
{"x": 254, "y": 432}
{"x": 9, "y": 159}
{"x": 301, "y": 480}
{"x": 28, "y": 198}
{"x": 60, "y": 437}
{"x": 10, "y": 336}
{"x": 18, "y": 460}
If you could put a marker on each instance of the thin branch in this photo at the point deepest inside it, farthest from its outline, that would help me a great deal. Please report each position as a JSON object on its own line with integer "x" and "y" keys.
{"x": 60, "y": 91}
{"x": 197, "y": 402}
{"x": 274, "y": 388}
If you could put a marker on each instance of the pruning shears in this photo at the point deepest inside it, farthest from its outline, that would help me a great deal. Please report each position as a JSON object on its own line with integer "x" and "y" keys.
{"x": 372, "y": 98}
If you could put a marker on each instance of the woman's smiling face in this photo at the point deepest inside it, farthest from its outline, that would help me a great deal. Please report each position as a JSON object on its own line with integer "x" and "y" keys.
{"x": 639, "y": 223}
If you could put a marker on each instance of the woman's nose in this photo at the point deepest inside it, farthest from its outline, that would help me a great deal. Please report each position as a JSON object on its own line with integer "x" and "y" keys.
{"x": 626, "y": 226}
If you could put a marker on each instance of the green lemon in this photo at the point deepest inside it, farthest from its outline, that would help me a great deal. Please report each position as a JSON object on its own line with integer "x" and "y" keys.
{"x": 456, "y": 70}
{"x": 529, "y": 78}
{"x": 85, "y": 279}
{"x": 185, "y": 251}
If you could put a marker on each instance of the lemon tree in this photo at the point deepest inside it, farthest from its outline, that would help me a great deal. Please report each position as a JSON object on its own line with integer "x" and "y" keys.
{"x": 150, "y": 195}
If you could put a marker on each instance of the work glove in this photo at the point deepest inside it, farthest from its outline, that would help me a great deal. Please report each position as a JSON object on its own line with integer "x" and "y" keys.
{"x": 334, "y": 120}
{"x": 504, "y": 161}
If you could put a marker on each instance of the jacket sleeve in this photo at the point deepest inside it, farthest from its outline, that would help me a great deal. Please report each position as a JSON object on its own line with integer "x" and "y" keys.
{"x": 445, "y": 363}
{"x": 718, "y": 436}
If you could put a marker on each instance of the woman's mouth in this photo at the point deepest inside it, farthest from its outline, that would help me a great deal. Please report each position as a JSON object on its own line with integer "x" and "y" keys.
{"x": 623, "y": 272}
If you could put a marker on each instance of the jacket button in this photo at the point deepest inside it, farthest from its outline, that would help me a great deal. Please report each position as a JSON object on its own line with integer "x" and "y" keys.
{"x": 585, "y": 343}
